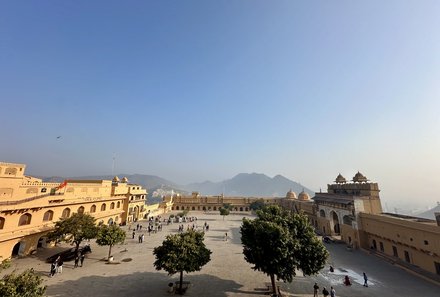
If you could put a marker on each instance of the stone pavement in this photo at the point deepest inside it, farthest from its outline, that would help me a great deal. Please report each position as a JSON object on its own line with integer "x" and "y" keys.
{"x": 227, "y": 274}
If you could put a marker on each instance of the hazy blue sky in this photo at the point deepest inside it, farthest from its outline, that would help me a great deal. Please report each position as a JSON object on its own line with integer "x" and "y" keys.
{"x": 197, "y": 90}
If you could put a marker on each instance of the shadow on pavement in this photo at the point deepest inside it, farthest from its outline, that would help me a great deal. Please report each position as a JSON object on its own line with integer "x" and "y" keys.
{"x": 146, "y": 284}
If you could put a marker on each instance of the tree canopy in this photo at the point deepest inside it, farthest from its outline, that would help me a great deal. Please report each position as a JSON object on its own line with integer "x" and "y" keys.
{"x": 258, "y": 204}
{"x": 75, "y": 229}
{"x": 110, "y": 235}
{"x": 225, "y": 210}
{"x": 182, "y": 252}
{"x": 25, "y": 284}
{"x": 279, "y": 242}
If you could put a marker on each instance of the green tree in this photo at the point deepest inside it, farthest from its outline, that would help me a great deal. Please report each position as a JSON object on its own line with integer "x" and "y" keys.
{"x": 182, "y": 252}
{"x": 257, "y": 204}
{"x": 225, "y": 210}
{"x": 75, "y": 229}
{"x": 25, "y": 284}
{"x": 110, "y": 235}
{"x": 279, "y": 242}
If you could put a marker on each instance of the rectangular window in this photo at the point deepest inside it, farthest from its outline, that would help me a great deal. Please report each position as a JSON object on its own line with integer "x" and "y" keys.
{"x": 395, "y": 254}
{"x": 381, "y": 246}
{"x": 407, "y": 259}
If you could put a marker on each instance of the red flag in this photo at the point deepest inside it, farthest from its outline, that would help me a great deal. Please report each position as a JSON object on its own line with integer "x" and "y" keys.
{"x": 62, "y": 185}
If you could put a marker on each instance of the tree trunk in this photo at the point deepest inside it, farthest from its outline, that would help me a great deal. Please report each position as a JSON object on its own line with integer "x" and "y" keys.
{"x": 109, "y": 252}
{"x": 272, "y": 280}
{"x": 181, "y": 283}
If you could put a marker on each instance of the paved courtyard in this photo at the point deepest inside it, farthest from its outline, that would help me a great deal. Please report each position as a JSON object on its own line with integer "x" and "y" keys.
{"x": 227, "y": 274}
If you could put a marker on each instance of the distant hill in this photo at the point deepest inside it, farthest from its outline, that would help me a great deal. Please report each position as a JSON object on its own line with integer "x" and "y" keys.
{"x": 249, "y": 184}
{"x": 429, "y": 214}
{"x": 243, "y": 184}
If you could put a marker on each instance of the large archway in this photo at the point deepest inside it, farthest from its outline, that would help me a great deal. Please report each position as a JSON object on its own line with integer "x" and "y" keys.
{"x": 18, "y": 249}
{"x": 136, "y": 213}
{"x": 335, "y": 222}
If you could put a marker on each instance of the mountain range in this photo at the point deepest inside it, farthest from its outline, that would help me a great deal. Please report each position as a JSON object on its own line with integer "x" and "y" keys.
{"x": 243, "y": 184}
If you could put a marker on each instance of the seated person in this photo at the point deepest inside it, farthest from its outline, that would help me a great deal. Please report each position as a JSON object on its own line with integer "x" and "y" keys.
{"x": 347, "y": 281}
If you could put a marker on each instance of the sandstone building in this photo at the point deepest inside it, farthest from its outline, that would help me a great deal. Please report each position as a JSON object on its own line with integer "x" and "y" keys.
{"x": 29, "y": 207}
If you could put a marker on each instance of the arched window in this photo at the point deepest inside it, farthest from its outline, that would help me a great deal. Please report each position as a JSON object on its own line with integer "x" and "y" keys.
{"x": 103, "y": 207}
{"x": 48, "y": 216}
{"x": 2, "y": 222}
{"x": 66, "y": 213}
{"x": 112, "y": 205}
{"x": 93, "y": 208}
{"x": 25, "y": 219}
{"x": 81, "y": 209}
{"x": 322, "y": 213}
{"x": 118, "y": 204}
{"x": 347, "y": 220}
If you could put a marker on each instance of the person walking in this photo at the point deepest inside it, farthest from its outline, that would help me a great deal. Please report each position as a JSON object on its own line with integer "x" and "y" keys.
{"x": 332, "y": 292}
{"x": 325, "y": 292}
{"x": 53, "y": 269}
{"x": 76, "y": 260}
{"x": 226, "y": 236}
{"x": 142, "y": 238}
{"x": 133, "y": 234}
{"x": 365, "y": 280}
{"x": 315, "y": 290}
{"x": 82, "y": 259}
{"x": 60, "y": 266}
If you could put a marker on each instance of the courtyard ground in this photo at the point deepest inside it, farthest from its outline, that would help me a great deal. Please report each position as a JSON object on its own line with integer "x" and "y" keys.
{"x": 227, "y": 274}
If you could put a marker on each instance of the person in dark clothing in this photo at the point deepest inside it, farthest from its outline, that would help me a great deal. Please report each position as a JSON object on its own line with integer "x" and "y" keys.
{"x": 76, "y": 260}
{"x": 82, "y": 259}
{"x": 325, "y": 292}
{"x": 133, "y": 234}
{"x": 53, "y": 269}
{"x": 365, "y": 280}
{"x": 315, "y": 290}
{"x": 347, "y": 281}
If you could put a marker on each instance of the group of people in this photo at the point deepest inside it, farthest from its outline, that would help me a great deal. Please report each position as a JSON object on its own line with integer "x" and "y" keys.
{"x": 332, "y": 291}
{"x": 325, "y": 292}
{"x": 79, "y": 258}
{"x": 56, "y": 266}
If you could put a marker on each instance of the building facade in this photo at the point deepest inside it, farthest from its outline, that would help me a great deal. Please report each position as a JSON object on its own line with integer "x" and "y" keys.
{"x": 197, "y": 202}
{"x": 30, "y": 207}
{"x": 410, "y": 241}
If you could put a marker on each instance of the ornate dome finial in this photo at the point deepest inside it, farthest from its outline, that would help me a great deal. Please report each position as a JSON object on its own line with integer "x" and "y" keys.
{"x": 291, "y": 195}
{"x": 340, "y": 179}
{"x": 359, "y": 178}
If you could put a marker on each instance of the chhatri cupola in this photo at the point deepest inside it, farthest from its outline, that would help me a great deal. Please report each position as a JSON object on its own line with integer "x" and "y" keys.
{"x": 303, "y": 196}
{"x": 359, "y": 178}
{"x": 340, "y": 179}
{"x": 124, "y": 180}
{"x": 291, "y": 195}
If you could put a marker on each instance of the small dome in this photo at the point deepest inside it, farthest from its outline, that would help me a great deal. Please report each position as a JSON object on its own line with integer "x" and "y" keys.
{"x": 125, "y": 180}
{"x": 116, "y": 179}
{"x": 359, "y": 178}
{"x": 291, "y": 195}
{"x": 340, "y": 179}
{"x": 303, "y": 196}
